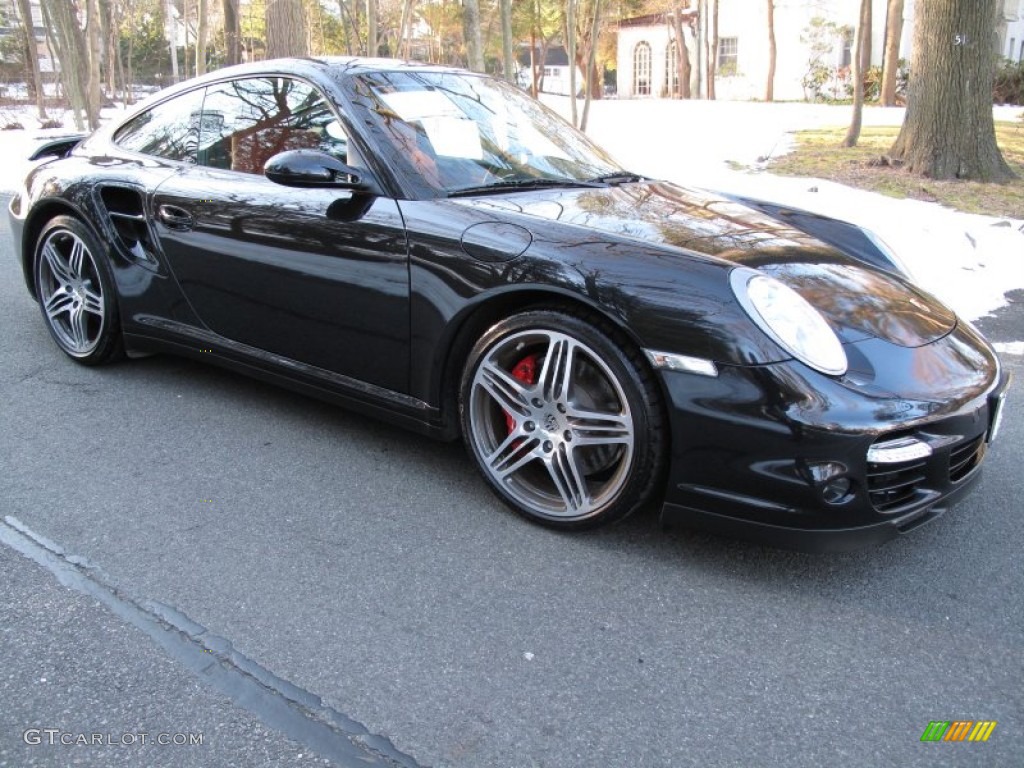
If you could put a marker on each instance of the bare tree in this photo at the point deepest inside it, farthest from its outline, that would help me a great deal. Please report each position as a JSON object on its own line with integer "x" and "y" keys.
{"x": 32, "y": 56}
{"x": 372, "y": 40}
{"x": 287, "y": 33}
{"x": 95, "y": 53}
{"x": 591, "y": 68}
{"x": 713, "y": 59}
{"x": 202, "y": 33}
{"x": 506, "y": 41}
{"x": 861, "y": 63}
{"x": 405, "y": 29}
{"x": 682, "y": 54}
{"x": 471, "y": 28}
{"x": 891, "y": 58}
{"x": 570, "y": 40}
{"x": 60, "y": 18}
{"x": 948, "y": 131}
{"x": 769, "y": 89}
{"x": 232, "y": 31}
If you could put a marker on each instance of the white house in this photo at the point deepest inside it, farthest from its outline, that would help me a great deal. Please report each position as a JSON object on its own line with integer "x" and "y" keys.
{"x": 552, "y": 73}
{"x": 646, "y": 46}
{"x": 1011, "y": 30}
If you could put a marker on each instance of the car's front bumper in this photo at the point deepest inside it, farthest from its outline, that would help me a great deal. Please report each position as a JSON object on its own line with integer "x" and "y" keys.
{"x": 765, "y": 452}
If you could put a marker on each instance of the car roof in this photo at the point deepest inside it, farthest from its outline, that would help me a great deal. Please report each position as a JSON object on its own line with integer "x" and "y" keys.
{"x": 317, "y": 65}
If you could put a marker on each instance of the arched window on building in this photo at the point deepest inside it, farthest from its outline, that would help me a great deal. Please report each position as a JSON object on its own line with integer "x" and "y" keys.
{"x": 671, "y": 69}
{"x": 642, "y": 69}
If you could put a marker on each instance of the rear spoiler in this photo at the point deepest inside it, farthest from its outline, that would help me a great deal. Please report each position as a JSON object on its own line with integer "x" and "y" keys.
{"x": 58, "y": 147}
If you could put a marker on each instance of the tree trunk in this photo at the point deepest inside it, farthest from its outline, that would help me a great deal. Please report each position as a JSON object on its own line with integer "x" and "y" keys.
{"x": 232, "y": 32}
{"x": 60, "y": 17}
{"x": 948, "y": 131}
{"x": 32, "y": 56}
{"x": 891, "y": 59}
{"x": 471, "y": 29}
{"x": 861, "y": 62}
{"x": 95, "y": 52}
{"x": 713, "y": 60}
{"x": 769, "y": 89}
{"x": 591, "y": 68}
{"x": 682, "y": 55}
{"x": 507, "y": 61}
{"x": 287, "y": 34}
{"x": 405, "y": 29}
{"x": 372, "y": 41}
{"x": 570, "y": 37}
{"x": 108, "y": 41}
{"x": 202, "y": 32}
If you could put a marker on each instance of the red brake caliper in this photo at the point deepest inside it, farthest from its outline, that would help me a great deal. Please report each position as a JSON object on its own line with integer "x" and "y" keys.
{"x": 526, "y": 372}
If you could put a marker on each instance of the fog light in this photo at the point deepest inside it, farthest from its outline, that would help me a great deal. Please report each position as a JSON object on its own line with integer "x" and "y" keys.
{"x": 836, "y": 490}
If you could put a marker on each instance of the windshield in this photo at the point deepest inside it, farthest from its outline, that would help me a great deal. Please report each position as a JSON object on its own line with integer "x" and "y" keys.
{"x": 452, "y": 132}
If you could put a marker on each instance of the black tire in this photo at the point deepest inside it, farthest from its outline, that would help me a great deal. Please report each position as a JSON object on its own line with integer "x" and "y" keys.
{"x": 563, "y": 418}
{"x": 76, "y": 292}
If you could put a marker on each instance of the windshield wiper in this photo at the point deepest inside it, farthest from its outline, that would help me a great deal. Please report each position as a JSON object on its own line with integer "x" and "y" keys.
{"x": 511, "y": 184}
{"x": 621, "y": 177}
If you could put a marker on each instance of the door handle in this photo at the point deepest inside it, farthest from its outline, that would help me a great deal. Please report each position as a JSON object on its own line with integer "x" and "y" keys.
{"x": 174, "y": 217}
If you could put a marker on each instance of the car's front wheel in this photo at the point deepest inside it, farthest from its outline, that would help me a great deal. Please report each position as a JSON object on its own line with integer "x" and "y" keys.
{"x": 562, "y": 418}
{"x": 76, "y": 292}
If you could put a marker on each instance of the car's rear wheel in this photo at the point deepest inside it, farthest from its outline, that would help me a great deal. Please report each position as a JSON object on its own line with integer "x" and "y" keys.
{"x": 76, "y": 292}
{"x": 562, "y": 418}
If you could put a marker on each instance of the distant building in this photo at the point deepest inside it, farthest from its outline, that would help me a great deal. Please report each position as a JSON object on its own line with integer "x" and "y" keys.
{"x": 552, "y": 73}
{"x": 647, "y": 47}
{"x": 10, "y": 27}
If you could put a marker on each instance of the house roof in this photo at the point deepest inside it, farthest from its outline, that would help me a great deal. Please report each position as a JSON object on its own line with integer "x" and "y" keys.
{"x": 556, "y": 56}
{"x": 655, "y": 19}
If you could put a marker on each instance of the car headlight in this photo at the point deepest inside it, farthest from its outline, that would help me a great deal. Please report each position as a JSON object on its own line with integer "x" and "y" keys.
{"x": 789, "y": 320}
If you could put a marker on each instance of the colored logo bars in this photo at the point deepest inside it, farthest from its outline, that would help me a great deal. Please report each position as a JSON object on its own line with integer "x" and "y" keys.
{"x": 958, "y": 730}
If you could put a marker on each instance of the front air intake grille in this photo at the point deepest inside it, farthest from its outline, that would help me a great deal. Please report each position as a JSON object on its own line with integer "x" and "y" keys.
{"x": 964, "y": 458}
{"x": 890, "y": 486}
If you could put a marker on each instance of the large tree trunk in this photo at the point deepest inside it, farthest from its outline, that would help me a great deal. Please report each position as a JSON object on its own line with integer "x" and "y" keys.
{"x": 891, "y": 59}
{"x": 506, "y": 41}
{"x": 95, "y": 53}
{"x": 32, "y": 57}
{"x": 713, "y": 60}
{"x": 682, "y": 55}
{"x": 202, "y": 33}
{"x": 232, "y": 32}
{"x": 471, "y": 28}
{"x": 372, "y": 41}
{"x": 287, "y": 34}
{"x": 405, "y": 30}
{"x": 769, "y": 89}
{"x": 60, "y": 17}
{"x": 570, "y": 36}
{"x": 592, "y": 73}
{"x": 109, "y": 42}
{"x": 948, "y": 131}
{"x": 861, "y": 63}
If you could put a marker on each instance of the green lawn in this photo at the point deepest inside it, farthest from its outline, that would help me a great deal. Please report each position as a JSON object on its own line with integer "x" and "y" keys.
{"x": 818, "y": 154}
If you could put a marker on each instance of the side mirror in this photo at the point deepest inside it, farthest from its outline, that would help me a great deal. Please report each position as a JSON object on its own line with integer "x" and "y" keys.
{"x": 313, "y": 168}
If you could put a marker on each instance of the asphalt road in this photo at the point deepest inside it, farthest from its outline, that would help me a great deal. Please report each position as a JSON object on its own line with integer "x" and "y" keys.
{"x": 186, "y": 551}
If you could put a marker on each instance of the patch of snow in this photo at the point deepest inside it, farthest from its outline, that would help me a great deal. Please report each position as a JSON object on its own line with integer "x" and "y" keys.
{"x": 1010, "y": 347}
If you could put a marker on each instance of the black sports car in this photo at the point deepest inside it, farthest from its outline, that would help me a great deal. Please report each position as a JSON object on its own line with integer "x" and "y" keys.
{"x": 434, "y": 247}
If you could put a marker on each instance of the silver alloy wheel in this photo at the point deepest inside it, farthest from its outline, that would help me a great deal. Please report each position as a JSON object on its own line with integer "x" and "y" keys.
{"x": 563, "y": 445}
{"x": 71, "y": 292}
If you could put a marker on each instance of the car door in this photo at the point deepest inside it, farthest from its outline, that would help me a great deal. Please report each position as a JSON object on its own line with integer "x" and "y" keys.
{"x": 317, "y": 276}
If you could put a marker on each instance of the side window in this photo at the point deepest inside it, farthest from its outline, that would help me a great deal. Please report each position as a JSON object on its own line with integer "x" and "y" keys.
{"x": 246, "y": 122}
{"x": 169, "y": 130}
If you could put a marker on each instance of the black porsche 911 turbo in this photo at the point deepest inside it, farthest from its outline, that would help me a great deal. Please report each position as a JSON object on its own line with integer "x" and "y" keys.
{"x": 434, "y": 247}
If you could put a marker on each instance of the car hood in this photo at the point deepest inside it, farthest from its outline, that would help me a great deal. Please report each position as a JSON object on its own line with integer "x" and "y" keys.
{"x": 858, "y": 300}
